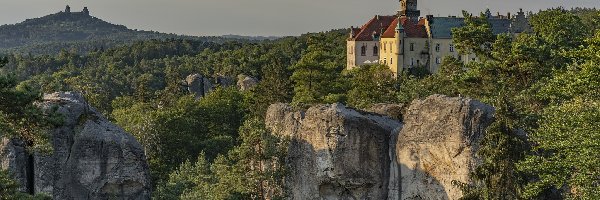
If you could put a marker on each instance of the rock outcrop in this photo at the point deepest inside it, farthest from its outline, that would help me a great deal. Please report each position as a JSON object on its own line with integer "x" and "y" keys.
{"x": 246, "y": 82}
{"x": 391, "y": 110}
{"x": 92, "y": 158}
{"x": 335, "y": 152}
{"x": 437, "y": 145}
{"x": 198, "y": 85}
{"x": 340, "y": 153}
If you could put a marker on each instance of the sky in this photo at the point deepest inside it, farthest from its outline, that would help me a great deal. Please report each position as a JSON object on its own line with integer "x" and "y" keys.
{"x": 258, "y": 17}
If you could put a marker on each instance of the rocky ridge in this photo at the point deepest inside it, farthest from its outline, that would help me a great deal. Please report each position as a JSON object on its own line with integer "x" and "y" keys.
{"x": 340, "y": 153}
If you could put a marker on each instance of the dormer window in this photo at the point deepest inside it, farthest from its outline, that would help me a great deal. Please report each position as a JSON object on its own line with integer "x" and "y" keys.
{"x": 363, "y": 50}
{"x": 375, "y": 51}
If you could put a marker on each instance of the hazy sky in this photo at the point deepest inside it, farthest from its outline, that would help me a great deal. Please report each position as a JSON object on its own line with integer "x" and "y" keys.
{"x": 257, "y": 17}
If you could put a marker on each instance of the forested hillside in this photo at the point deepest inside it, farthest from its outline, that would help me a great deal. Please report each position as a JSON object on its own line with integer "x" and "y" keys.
{"x": 544, "y": 86}
{"x": 77, "y": 32}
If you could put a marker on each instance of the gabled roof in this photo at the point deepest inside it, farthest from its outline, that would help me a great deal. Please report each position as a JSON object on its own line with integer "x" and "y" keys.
{"x": 377, "y": 25}
{"x": 441, "y": 27}
{"x": 412, "y": 29}
{"x": 500, "y": 26}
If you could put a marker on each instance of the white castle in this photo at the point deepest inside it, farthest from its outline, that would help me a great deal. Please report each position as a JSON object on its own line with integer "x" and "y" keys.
{"x": 406, "y": 40}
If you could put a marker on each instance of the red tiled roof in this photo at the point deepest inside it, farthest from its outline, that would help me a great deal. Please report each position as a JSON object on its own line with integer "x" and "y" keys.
{"x": 411, "y": 29}
{"x": 377, "y": 25}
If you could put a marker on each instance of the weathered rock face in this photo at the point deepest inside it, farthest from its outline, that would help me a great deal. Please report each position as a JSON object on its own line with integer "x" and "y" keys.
{"x": 246, "y": 82}
{"x": 391, "y": 110}
{"x": 14, "y": 158}
{"x": 335, "y": 152}
{"x": 92, "y": 158}
{"x": 438, "y": 144}
{"x": 339, "y": 153}
{"x": 198, "y": 85}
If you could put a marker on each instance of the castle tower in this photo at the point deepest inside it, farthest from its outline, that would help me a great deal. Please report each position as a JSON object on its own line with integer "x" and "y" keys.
{"x": 409, "y": 9}
{"x": 68, "y": 9}
{"x": 86, "y": 11}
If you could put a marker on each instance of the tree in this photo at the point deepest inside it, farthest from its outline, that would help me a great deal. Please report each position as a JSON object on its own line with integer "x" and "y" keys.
{"x": 252, "y": 170}
{"x": 316, "y": 76}
{"x": 474, "y": 37}
{"x": 566, "y": 150}
{"x": 371, "y": 84}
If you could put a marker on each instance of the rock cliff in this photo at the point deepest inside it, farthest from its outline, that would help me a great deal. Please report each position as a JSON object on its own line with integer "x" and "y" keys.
{"x": 92, "y": 158}
{"x": 340, "y": 153}
{"x": 335, "y": 152}
{"x": 438, "y": 144}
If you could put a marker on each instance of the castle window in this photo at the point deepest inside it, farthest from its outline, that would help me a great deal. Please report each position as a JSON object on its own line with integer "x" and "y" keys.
{"x": 375, "y": 51}
{"x": 385, "y": 47}
{"x": 451, "y": 48}
{"x": 391, "y": 47}
{"x": 385, "y": 61}
{"x": 437, "y": 47}
{"x": 391, "y": 61}
{"x": 438, "y": 60}
{"x": 412, "y": 61}
{"x": 363, "y": 50}
{"x": 412, "y": 46}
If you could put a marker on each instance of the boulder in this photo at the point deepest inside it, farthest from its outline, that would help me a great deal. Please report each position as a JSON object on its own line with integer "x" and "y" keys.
{"x": 246, "y": 82}
{"x": 335, "y": 152}
{"x": 437, "y": 145}
{"x": 92, "y": 158}
{"x": 198, "y": 85}
{"x": 391, "y": 110}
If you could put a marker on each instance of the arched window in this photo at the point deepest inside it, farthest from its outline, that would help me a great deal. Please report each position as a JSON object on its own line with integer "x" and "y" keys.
{"x": 375, "y": 51}
{"x": 363, "y": 50}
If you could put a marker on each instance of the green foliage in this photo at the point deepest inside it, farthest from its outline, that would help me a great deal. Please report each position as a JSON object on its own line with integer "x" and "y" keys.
{"x": 371, "y": 84}
{"x": 566, "y": 150}
{"x": 252, "y": 170}
{"x": 317, "y": 74}
{"x": 474, "y": 37}
{"x": 171, "y": 135}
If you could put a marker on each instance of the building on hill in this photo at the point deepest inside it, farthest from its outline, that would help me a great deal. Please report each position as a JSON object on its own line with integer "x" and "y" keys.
{"x": 86, "y": 11}
{"x": 406, "y": 40}
{"x": 68, "y": 9}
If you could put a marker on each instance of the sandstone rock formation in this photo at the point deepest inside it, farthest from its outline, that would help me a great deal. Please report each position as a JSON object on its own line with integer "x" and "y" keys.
{"x": 437, "y": 145}
{"x": 198, "y": 85}
{"x": 391, "y": 110}
{"x": 335, "y": 152}
{"x": 246, "y": 82}
{"x": 92, "y": 158}
{"x": 339, "y": 153}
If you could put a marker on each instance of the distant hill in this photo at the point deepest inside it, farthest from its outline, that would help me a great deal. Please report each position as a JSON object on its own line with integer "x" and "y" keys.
{"x": 251, "y": 38}
{"x": 74, "y": 31}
